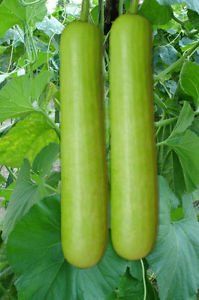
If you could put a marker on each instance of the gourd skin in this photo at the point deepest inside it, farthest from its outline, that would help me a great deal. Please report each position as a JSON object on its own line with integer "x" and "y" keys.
{"x": 83, "y": 162}
{"x": 134, "y": 195}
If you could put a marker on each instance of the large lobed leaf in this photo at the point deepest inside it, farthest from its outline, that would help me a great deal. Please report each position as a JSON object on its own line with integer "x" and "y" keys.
{"x": 43, "y": 273}
{"x": 175, "y": 259}
{"x": 17, "y": 97}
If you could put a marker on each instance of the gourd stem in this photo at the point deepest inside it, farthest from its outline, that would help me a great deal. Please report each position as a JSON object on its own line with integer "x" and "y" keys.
{"x": 85, "y": 10}
{"x": 134, "y": 7}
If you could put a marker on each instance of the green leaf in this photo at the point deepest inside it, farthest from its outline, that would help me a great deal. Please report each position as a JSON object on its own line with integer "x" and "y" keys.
{"x": 100, "y": 280}
{"x": 8, "y": 18}
{"x": 36, "y": 238}
{"x": 43, "y": 273}
{"x": 44, "y": 160}
{"x": 189, "y": 80}
{"x": 193, "y": 18}
{"x": 2, "y": 179}
{"x": 7, "y": 192}
{"x": 39, "y": 83}
{"x": 13, "y": 12}
{"x": 15, "y": 99}
{"x": 25, "y": 194}
{"x": 185, "y": 119}
{"x": 175, "y": 259}
{"x": 156, "y": 13}
{"x": 136, "y": 269}
{"x": 195, "y": 126}
{"x": 18, "y": 95}
{"x": 186, "y": 147}
{"x": 25, "y": 140}
{"x": 130, "y": 288}
{"x": 192, "y": 4}
{"x": 164, "y": 56}
{"x": 178, "y": 185}
{"x": 53, "y": 179}
{"x": 50, "y": 26}
{"x": 177, "y": 214}
{"x": 131, "y": 285}
{"x": 48, "y": 95}
{"x": 94, "y": 15}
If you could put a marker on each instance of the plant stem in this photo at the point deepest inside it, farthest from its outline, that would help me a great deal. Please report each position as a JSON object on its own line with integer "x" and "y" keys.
{"x": 11, "y": 173}
{"x": 170, "y": 69}
{"x": 48, "y": 50}
{"x": 51, "y": 188}
{"x": 134, "y": 7}
{"x": 160, "y": 103}
{"x": 161, "y": 143}
{"x": 177, "y": 20}
{"x": 176, "y": 64}
{"x": 101, "y": 15}
{"x": 11, "y": 57}
{"x": 165, "y": 122}
{"x": 121, "y": 3}
{"x": 85, "y": 10}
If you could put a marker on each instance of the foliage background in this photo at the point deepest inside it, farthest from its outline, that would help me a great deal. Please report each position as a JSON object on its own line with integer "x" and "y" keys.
{"x": 31, "y": 260}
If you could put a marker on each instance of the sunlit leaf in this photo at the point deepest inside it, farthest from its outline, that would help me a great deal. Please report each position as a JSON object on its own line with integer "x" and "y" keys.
{"x": 25, "y": 140}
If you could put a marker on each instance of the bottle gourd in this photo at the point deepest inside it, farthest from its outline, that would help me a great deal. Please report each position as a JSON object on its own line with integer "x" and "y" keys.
{"x": 83, "y": 163}
{"x": 133, "y": 157}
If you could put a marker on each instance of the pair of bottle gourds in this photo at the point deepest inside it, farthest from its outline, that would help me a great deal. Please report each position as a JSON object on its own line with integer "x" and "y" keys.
{"x": 84, "y": 188}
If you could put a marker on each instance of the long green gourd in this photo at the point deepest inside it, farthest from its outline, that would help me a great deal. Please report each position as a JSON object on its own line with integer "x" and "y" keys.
{"x": 134, "y": 195}
{"x": 84, "y": 176}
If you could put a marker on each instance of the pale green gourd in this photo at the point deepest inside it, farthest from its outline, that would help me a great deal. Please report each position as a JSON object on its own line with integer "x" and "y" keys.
{"x": 83, "y": 163}
{"x": 134, "y": 195}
